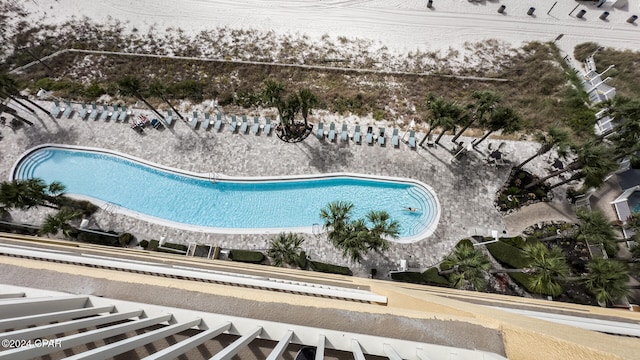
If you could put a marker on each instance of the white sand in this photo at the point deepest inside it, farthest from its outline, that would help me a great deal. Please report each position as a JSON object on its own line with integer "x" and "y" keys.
{"x": 402, "y": 26}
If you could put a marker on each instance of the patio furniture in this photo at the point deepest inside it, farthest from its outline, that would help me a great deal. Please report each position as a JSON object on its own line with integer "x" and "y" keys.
{"x": 94, "y": 112}
{"x": 234, "y": 124}
{"x": 245, "y": 125}
{"x": 332, "y": 132}
{"x": 218, "y": 122}
{"x": 56, "y": 110}
{"x": 412, "y": 139}
{"x": 381, "y": 137}
{"x": 83, "y": 112}
{"x": 256, "y": 126}
{"x": 105, "y": 113}
{"x": 194, "y": 120}
{"x": 169, "y": 118}
{"x": 394, "y": 138}
{"x": 267, "y": 127}
{"x": 123, "y": 114}
{"x": 320, "y": 132}
{"x": 369, "y": 136}
{"x": 357, "y": 138}
{"x": 206, "y": 122}
{"x": 345, "y": 133}
{"x": 67, "y": 110}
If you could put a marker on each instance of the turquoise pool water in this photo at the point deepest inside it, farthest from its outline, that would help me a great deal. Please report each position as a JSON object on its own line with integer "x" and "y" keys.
{"x": 248, "y": 205}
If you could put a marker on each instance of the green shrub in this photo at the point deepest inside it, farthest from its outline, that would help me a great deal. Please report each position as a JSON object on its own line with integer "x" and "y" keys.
{"x": 94, "y": 91}
{"x": 144, "y": 244}
{"x": 254, "y": 257}
{"x": 464, "y": 242}
{"x": 23, "y": 229}
{"x": 329, "y": 268}
{"x": 517, "y": 241}
{"x": 180, "y": 247}
{"x": 508, "y": 255}
{"x": 431, "y": 277}
{"x": 153, "y": 245}
{"x": 98, "y": 239}
{"x": 301, "y": 261}
{"x": 409, "y": 277}
{"x": 125, "y": 239}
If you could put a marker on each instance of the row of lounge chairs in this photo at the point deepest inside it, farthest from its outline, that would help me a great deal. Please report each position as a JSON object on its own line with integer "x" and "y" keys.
{"x": 243, "y": 126}
{"x": 93, "y": 112}
{"x": 369, "y": 136}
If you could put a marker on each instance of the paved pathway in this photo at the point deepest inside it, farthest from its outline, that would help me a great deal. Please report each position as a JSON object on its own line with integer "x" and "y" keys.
{"x": 466, "y": 188}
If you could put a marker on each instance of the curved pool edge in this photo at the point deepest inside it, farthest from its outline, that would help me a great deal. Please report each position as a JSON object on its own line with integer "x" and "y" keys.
{"x": 207, "y": 176}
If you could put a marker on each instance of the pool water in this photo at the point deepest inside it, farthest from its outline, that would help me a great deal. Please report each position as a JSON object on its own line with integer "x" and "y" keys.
{"x": 202, "y": 201}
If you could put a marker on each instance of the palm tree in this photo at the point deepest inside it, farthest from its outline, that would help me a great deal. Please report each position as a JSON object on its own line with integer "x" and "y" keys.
{"x": 467, "y": 267}
{"x": 285, "y": 248}
{"x": 355, "y": 237}
{"x": 444, "y": 113}
{"x": 594, "y": 228}
{"x": 130, "y": 86}
{"x": 593, "y": 158}
{"x": 485, "y": 102}
{"x": 26, "y": 194}
{"x": 308, "y": 100}
{"x": 156, "y": 88}
{"x": 607, "y": 280}
{"x": 554, "y": 137}
{"x": 548, "y": 268}
{"x": 59, "y": 222}
{"x": 501, "y": 118}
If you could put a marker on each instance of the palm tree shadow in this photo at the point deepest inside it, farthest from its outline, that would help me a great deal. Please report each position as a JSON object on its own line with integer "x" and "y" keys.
{"x": 326, "y": 158}
{"x": 37, "y": 136}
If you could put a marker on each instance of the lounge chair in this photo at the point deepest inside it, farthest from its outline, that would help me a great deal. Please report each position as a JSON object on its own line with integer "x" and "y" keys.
{"x": 169, "y": 118}
{"x": 345, "y": 133}
{"x": 320, "y": 132}
{"x": 67, "y": 110}
{"x": 267, "y": 127}
{"x": 245, "y": 125}
{"x": 234, "y": 124}
{"x": 207, "y": 121}
{"x": 381, "y": 137}
{"x": 256, "y": 126}
{"x": 155, "y": 123}
{"x": 357, "y": 138}
{"x": 116, "y": 113}
{"x": 83, "y": 112}
{"x": 412, "y": 139}
{"x": 56, "y": 110}
{"x": 218, "y": 122}
{"x": 369, "y": 137}
{"x": 394, "y": 138}
{"x": 194, "y": 120}
{"x": 105, "y": 113}
{"x": 332, "y": 132}
{"x": 123, "y": 114}
{"x": 94, "y": 112}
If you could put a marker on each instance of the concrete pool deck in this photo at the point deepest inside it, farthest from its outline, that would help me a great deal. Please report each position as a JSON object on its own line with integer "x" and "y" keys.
{"x": 465, "y": 188}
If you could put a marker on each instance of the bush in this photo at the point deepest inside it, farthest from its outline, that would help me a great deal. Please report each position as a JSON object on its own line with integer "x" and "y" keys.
{"x": 86, "y": 207}
{"x": 23, "y": 229}
{"x": 153, "y": 245}
{"x": 125, "y": 239}
{"x": 254, "y": 257}
{"x": 180, "y": 247}
{"x": 98, "y": 239}
{"x": 508, "y": 255}
{"x": 431, "y": 277}
{"x": 408, "y": 276}
{"x": 301, "y": 261}
{"x": 144, "y": 244}
{"x": 330, "y": 268}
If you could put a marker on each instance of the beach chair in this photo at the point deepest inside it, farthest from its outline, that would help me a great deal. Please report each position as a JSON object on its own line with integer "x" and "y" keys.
{"x": 320, "y": 132}
{"x": 207, "y": 121}
{"x": 105, "y": 113}
{"x": 83, "y": 112}
{"x": 116, "y": 113}
{"x": 412, "y": 139}
{"x": 67, "y": 110}
{"x": 123, "y": 114}
{"x": 94, "y": 112}
{"x": 234, "y": 124}
{"x": 245, "y": 125}
{"x": 169, "y": 119}
{"x": 256, "y": 126}
{"x": 194, "y": 120}
{"x": 267, "y": 127}
{"x": 381, "y": 137}
{"x": 369, "y": 137}
{"x": 394, "y": 138}
{"x": 332, "y": 132}
{"x": 56, "y": 110}
{"x": 218, "y": 123}
{"x": 345, "y": 133}
{"x": 357, "y": 138}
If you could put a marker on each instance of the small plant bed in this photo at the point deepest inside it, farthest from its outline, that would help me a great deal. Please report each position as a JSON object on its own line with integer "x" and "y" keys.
{"x": 514, "y": 194}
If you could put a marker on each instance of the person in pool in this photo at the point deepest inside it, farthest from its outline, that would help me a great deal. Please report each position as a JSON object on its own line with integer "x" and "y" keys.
{"x": 412, "y": 209}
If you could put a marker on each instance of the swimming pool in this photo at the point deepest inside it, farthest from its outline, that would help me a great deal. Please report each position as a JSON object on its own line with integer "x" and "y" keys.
{"x": 218, "y": 203}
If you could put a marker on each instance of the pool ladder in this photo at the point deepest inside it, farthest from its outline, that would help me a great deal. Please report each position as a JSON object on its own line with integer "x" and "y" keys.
{"x": 213, "y": 177}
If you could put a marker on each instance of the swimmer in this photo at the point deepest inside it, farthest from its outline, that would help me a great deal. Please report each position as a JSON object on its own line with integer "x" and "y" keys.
{"x": 412, "y": 209}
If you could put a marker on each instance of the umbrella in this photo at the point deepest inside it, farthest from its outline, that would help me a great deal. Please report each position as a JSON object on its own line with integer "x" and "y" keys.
{"x": 496, "y": 155}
